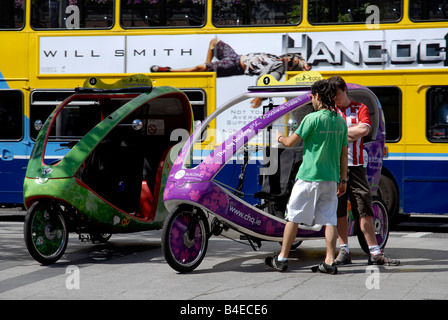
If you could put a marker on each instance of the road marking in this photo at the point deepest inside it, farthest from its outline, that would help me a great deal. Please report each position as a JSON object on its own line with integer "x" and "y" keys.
{"x": 416, "y": 235}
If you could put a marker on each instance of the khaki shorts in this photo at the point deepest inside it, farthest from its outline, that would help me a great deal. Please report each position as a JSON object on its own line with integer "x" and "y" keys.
{"x": 313, "y": 202}
{"x": 358, "y": 190}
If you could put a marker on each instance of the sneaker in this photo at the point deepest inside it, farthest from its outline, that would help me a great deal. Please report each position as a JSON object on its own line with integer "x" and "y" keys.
{"x": 160, "y": 69}
{"x": 382, "y": 259}
{"x": 343, "y": 257}
{"x": 277, "y": 265}
{"x": 325, "y": 268}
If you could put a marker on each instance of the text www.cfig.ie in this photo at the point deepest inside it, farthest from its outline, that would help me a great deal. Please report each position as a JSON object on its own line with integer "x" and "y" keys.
{"x": 245, "y": 216}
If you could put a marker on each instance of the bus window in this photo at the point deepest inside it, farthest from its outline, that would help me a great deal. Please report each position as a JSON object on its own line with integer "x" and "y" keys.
{"x": 228, "y": 13}
{"x": 390, "y": 99}
{"x": 42, "y": 104}
{"x": 72, "y": 14}
{"x": 73, "y": 122}
{"x": 141, "y": 14}
{"x": 197, "y": 101}
{"x": 437, "y": 114}
{"x": 12, "y": 14}
{"x": 11, "y": 115}
{"x": 428, "y": 10}
{"x": 351, "y": 11}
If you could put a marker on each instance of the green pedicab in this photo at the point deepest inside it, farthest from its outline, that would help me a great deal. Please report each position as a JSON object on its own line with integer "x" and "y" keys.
{"x": 118, "y": 153}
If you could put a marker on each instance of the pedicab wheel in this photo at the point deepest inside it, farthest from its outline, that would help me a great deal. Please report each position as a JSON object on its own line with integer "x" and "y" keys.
{"x": 45, "y": 232}
{"x": 185, "y": 239}
{"x": 97, "y": 237}
{"x": 294, "y": 245}
{"x": 380, "y": 223}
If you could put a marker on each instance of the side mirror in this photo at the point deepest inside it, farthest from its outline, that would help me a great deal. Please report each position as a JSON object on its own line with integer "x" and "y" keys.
{"x": 292, "y": 125}
{"x": 137, "y": 124}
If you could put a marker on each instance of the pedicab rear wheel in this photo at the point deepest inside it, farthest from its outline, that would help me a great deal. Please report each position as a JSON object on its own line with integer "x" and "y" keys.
{"x": 98, "y": 237}
{"x": 45, "y": 232}
{"x": 380, "y": 223}
{"x": 185, "y": 238}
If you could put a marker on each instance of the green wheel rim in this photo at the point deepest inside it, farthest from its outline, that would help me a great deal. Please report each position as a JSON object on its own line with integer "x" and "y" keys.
{"x": 48, "y": 232}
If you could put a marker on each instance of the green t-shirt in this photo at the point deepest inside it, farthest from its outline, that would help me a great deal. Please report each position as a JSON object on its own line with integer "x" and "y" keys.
{"x": 324, "y": 133}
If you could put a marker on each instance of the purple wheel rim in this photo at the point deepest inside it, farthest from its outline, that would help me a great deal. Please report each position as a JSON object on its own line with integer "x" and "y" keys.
{"x": 187, "y": 239}
{"x": 381, "y": 223}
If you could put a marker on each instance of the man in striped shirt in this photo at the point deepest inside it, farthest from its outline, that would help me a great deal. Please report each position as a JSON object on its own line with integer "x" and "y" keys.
{"x": 356, "y": 115}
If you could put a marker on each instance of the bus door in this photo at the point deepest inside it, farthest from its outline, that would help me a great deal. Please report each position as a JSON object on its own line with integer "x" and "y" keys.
{"x": 14, "y": 146}
{"x": 426, "y": 171}
{"x": 42, "y": 103}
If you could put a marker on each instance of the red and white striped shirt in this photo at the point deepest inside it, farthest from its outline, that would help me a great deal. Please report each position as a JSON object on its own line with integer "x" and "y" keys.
{"x": 353, "y": 114}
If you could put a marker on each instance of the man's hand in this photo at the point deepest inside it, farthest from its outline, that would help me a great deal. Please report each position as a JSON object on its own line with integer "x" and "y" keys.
{"x": 342, "y": 187}
{"x": 278, "y": 136}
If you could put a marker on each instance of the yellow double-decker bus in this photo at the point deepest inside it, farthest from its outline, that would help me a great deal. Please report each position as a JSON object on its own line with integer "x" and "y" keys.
{"x": 395, "y": 47}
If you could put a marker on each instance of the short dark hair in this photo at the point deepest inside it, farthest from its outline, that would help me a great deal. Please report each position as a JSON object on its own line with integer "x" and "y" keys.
{"x": 326, "y": 91}
{"x": 338, "y": 82}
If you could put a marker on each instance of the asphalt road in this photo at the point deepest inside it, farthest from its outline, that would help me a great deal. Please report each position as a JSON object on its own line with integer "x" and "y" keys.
{"x": 132, "y": 267}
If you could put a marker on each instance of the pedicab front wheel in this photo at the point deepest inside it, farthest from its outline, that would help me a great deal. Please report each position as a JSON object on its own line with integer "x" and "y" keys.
{"x": 45, "y": 232}
{"x": 185, "y": 239}
{"x": 380, "y": 224}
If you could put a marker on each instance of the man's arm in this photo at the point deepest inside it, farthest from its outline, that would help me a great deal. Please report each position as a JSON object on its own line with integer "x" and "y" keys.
{"x": 357, "y": 132}
{"x": 289, "y": 141}
{"x": 362, "y": 128}
{"x": 343, "y": 170}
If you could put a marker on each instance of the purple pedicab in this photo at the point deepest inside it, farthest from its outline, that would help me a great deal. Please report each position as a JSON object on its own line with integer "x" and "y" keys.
{"x": 244, "y": 182}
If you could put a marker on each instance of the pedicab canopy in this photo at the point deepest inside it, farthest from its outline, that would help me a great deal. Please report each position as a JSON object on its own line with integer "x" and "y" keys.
{"x": 185, "y": 171}
{"x": 128, "y": 123}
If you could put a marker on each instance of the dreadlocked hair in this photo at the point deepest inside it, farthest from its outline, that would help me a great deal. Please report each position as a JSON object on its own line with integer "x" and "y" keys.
{"x": 326, "y": 91}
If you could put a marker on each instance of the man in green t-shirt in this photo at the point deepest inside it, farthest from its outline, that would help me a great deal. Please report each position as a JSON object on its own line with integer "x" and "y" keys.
{"x": 321, "y": 177}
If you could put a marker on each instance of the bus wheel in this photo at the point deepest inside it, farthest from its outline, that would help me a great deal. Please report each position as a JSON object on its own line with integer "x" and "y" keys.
{"x": 185, "y": 238}
{"x": 45, "y": 232}
{"x": 380, "y": 224}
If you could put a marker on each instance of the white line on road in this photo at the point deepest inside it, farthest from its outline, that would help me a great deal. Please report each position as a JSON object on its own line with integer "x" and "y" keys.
{"x": 416, "y": 235}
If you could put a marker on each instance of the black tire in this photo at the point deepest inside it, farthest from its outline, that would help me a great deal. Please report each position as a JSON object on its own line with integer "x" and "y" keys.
{"x": 381, "y": 224}
{"x": 389, "y": 194}
{"x": 97, "y": 237}
{"x": 185, "y": 238}
{"x": 294, "y": 245}
{"x": 45, "y": 232}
